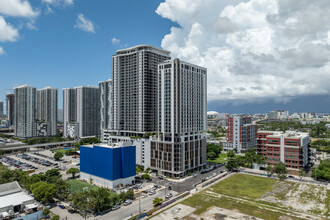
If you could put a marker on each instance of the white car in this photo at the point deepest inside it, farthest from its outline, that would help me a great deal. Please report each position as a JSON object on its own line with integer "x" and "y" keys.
{"x": 169, "y": 195}
{"x": 152, "y": 193}
{"x": 127, "y": 202}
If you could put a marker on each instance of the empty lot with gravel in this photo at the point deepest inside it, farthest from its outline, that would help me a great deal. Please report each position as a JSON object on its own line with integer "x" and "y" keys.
{"x": 263, "y": 197}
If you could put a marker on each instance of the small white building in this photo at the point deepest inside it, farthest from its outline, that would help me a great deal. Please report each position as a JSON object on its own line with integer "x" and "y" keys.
{"x": 13, "y": 199}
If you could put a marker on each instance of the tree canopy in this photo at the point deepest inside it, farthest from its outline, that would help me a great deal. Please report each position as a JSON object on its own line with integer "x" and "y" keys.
{"x": 280, "y": 170}
{"x": 322, "y": 172}
{"x": 73, "y": 171}
{"x": 213, "y": 150}
{"x": 43, "y": 191}
{"x": 58, "y": 155}
{"x": 157, "y": 201}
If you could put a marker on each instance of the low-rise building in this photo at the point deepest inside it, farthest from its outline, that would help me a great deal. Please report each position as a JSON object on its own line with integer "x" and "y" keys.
{"x": 291, "y": 148}
{"x": 142, "y": 146}
{"x": 108, "y": 165}
{"x": 13, "y": 199}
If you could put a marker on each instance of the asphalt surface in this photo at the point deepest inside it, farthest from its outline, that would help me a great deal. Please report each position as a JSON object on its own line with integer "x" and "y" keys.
{"x": 133, "y": 209}
{"x": 189, "y": 184}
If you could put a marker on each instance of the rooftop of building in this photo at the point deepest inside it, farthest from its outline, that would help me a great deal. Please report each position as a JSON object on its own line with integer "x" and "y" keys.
{"x": 108, "y": 80}
{"x": 141, "y": 47}
{"x": 48, "y": 87}
{"x": 8, "y": 188}
{"x": 182, "y": 62}
{"x": 23, "y": 86}
{"x": 79, "y": 87}
{"x": 12, "y": 194}
{"x": 112, "y": 146}
{"x": 287, "y": 134}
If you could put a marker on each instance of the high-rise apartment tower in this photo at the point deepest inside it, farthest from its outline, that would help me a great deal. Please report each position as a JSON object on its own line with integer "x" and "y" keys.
{"x": 47, "y": 109}
{"x": 25, "y": 111}
{"x": 10, "y": 103}
{"x": 106, "y": 105}
{"x": 180, "y": 147}
{"x": 81, "y": 111}
{"x": 135, "y": 89}
{"x": 1, "y": 109}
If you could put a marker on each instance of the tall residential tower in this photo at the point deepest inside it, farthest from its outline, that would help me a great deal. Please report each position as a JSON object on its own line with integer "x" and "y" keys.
{"x": 1, "y": 109}
{"x": 180, "y": 147}
{"x": 106, "y": 105}
{"x": 135, "y": 89}
{"x": 10, "y": 103}
{"x": 25, "y": 111}
{"x": 81, "y": 111}
{"x": 47, "y": 110}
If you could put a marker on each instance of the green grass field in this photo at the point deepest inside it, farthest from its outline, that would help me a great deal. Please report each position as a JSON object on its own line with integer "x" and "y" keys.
{"x": 78, "y": 186}
{"x": 247, "y": 187}
{"x": 222, "y": 158}
{"x": 241, "y": 185}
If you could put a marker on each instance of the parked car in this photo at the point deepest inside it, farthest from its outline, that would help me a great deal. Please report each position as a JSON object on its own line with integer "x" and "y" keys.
{"x": 169, "y": 195}
{"x": 152, "y": 193}
{"x": 127, "y": 202}
{"x": 105, "y": 211}
{"x": 151, "y": 189}
{"x": 144, "y": 196}
{"x": 115, "y": 207}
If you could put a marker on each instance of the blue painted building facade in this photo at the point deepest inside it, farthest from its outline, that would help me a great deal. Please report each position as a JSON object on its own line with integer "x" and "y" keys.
{"x": 108, "y": 163}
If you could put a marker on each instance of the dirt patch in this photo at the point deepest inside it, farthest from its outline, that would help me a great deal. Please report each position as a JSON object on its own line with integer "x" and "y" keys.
{"x": 226, "y": 214}
{"x": 301, "y": 197}
{"x": 285, "y": 218}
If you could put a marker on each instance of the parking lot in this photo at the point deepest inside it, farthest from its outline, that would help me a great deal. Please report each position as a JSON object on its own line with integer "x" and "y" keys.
{"x": 40, "y": 162}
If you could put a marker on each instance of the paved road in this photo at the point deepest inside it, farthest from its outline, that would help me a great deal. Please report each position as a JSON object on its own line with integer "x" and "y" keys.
{"x": 133, "y": 209}
{"x": 64, "y": 214}
{"x": 190, "y": 183}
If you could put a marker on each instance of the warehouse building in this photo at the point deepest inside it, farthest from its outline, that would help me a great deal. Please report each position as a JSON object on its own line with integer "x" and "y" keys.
{"x": 108, "y": 165}
{"x": 13, "y": 199}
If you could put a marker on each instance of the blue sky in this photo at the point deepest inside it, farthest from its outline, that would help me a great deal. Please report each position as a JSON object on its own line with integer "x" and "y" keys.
{"x": 260, "y": 54}
{"x": 59, "y": 55}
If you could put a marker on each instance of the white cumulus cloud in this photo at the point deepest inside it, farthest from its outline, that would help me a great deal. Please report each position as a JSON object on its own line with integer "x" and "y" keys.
{"x": 17, "y": 8}
{"x": 7, "y": 31}
{"x": 2, "y": 51}
{"x": 115, "y": 40}
{"x": 84, "y": 24}
{"x": 256, "y": 49}
{"x": 58, "y": 2}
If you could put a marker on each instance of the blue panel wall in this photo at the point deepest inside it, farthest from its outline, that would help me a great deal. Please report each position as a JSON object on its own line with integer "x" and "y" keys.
{"x": 128, "y": 161}
{"x": 108, "y": 163}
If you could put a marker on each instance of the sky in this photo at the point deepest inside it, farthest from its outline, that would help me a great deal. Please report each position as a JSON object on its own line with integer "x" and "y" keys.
{"x": 261, "y": 55}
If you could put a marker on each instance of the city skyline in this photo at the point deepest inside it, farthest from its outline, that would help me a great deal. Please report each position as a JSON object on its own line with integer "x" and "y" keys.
{"x": 73, "y": 41}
